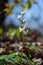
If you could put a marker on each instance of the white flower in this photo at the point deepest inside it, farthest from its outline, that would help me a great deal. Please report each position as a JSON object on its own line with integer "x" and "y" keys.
{"x": 19, "y": 17}
{"x": 22, "y": 29}
{"x": 23, "y": 21}
{"x": 22, "y": 13}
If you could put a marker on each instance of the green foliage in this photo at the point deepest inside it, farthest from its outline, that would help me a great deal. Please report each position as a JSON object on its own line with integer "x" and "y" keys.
{"x": 6, "y": 10}
{"x": 18, "y": 2}
{"x": 15, "y": 59}
{"x": 1, "y": 31}
{"x": 14, "y": 32}
{"x": 34, "y": 47}
{"x": 17, "y": 34}
{"x": 11, "y": 32}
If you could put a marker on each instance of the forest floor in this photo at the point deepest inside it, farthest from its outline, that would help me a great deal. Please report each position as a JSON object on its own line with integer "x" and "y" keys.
{"x": 8, "y": 45}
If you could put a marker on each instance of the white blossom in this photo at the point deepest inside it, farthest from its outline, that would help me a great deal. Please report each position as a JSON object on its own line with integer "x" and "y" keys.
{"x": 22, "y": 13}
{"x": 19, "y": 17}
{"x": 23, "y": 21}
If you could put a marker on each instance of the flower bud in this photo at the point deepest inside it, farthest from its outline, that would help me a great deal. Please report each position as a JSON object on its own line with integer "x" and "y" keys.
{"x": 22, "y": 13}
{"x": 19, "y": 17}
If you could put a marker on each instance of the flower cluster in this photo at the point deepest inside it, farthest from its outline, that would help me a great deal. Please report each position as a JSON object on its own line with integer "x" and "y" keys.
{"x": 33, "y": 17}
